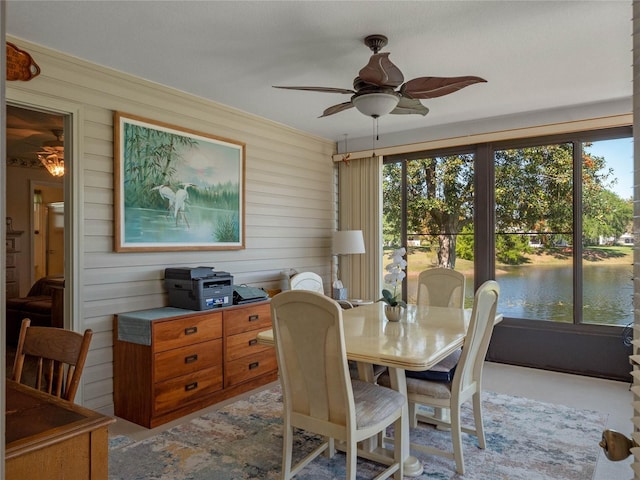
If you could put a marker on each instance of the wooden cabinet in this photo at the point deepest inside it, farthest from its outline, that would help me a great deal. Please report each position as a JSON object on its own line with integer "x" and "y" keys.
{"x": 169, "y": 362}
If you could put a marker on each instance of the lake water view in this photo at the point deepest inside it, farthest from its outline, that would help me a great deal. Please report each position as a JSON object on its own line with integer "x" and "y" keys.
{"x": 544, "y": 292}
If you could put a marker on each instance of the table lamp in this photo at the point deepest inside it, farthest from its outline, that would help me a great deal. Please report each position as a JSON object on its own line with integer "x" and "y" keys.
{"x": 345, "y": 242}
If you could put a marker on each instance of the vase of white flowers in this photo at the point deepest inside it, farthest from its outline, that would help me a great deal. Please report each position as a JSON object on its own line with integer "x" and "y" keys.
{"x": 394, "y": 276}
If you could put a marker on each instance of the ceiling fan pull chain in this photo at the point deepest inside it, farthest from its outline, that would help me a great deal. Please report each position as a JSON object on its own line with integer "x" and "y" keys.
{"x": 374, "y": 137}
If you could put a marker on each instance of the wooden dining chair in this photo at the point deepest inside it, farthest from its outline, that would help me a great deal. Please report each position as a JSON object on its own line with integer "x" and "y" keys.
{"x": 467, "y": 380}
{"x": 440, "y": 287}
{"x": 318, "y": 394}
{"x": 59, "y": 356}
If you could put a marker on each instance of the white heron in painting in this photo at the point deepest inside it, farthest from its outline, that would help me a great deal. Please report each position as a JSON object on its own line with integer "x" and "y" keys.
{"x": 168, "y": 194}
{"x": 181, "y": 197}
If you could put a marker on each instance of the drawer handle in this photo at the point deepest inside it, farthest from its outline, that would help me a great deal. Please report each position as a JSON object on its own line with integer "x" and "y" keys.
{"x": 190, "y": 330}
{"x": 254, "y": 365}
{"x": 190, "y": 386}
{"x": 253, "y": 341}
{"x": 253, "y": 318}
{"x": 191, "y": 358}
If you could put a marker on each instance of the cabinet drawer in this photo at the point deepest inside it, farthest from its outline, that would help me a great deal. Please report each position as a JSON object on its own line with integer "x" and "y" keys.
{"x": 243, "y": 344}
{"x": 186, "y": 331}
{"x": 246, "y": 368}
{"x": 189, "y": 359}
{"x": 178, "y": 391}
{"x": 245, "y": 319}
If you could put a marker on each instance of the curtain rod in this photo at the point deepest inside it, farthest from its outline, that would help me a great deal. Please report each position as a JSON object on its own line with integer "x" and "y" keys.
{"x": 501, "y": 135}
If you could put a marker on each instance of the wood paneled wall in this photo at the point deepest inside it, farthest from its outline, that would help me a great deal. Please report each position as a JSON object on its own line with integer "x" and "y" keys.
{"x": 289, "y": 210}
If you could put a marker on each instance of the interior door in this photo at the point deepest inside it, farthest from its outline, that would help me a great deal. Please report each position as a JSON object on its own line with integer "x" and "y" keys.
{"x": 55, "y": 239}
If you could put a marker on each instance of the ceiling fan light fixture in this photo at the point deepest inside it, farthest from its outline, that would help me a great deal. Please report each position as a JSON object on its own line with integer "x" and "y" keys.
{"x": 53, "y": 163}
{"x": 375, "y": 104}
{"x": 53, "y": 155}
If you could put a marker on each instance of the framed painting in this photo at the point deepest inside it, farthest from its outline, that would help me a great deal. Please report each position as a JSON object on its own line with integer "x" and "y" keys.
{"x": 176, "y": 189}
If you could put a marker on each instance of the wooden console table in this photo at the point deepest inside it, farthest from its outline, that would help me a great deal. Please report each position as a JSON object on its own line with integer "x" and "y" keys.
{"x": 169, "y": 362}
{"x": 51, "y": 439}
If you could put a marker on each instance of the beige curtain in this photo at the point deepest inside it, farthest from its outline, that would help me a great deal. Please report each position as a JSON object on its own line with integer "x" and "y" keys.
{"x": 360, "y": 208}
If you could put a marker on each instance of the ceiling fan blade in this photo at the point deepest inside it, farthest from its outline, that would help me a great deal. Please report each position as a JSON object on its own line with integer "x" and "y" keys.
{"x": 319, "y": 89}
{"x": 18, "y": 132}
{"x": 432, "y": 87}
{"x": 381, "y": 71}
{"x": 337, "y": 109}
{"x": 408, "y": 105}
{"x": 51, "y": 150}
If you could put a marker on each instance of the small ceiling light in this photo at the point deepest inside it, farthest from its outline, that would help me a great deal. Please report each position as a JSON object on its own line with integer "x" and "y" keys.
{"x": 53, "y": 163}
{"x": 52, "y": 156}
{"x": 375, "y": 104}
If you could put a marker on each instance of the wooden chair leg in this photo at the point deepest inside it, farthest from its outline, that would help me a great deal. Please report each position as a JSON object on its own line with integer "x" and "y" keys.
{"x": 477, "y": 418}
{"x": 398, "y": 445}
{"x": 456, "y": 438}
{"x": 287, "y": 448}
{"x": 352, "y": 459}
{"x": 413, "y": 420}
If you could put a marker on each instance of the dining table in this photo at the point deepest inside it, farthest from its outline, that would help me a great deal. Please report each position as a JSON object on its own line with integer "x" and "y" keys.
{"x": 422, "y": 337}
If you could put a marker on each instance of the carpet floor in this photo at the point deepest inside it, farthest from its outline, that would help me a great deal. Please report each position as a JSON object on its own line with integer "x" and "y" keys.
{"x": 526, "y": 440}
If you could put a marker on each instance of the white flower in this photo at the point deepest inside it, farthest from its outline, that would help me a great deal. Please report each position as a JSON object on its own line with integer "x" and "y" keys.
{"x": 394, "y": 276}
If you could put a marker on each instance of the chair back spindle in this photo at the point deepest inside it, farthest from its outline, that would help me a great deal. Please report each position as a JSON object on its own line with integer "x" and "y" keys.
{"x": 59, "y": 357}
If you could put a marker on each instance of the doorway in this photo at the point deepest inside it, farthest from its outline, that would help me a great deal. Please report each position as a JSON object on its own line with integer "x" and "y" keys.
{"x": 34, "y": 197}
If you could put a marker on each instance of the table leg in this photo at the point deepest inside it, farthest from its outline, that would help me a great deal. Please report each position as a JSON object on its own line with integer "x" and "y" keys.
{"x": 412, "y": 466}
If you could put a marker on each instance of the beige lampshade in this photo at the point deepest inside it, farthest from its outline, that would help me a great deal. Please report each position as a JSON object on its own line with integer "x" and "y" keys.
{"x": 348, "y": 242}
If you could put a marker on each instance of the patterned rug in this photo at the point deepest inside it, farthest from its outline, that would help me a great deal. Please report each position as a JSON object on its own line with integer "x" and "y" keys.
{"x": 526, "y": 440}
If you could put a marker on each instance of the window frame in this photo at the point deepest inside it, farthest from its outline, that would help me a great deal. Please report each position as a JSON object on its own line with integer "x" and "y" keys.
{"x": 484, "y": 211}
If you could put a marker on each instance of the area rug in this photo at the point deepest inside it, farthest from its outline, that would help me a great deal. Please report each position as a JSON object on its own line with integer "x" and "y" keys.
{"x": 526, "y": 440}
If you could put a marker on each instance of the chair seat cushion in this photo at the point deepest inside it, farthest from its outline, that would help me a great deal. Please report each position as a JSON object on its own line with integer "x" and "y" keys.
{"x": 419, "y": 386}
{"x": 443, "y": 371}
{"x": 374, "y": 402}
{"x": 427, "y": 388}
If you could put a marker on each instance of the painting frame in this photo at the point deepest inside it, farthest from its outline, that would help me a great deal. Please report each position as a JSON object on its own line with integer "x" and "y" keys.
{"x": 176, "y": 189}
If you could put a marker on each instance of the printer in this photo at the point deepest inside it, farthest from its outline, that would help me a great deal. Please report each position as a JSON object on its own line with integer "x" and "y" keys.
{"x": 198, "y": 288}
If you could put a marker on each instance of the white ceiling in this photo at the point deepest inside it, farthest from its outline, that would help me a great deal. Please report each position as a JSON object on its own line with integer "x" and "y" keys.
{"x": 534, "y": 54}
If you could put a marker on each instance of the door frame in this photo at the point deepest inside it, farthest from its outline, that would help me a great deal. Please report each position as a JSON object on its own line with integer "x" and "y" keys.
{"x": 73, "y": 119}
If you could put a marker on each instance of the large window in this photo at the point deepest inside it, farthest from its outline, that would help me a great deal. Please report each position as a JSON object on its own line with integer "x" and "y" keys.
{"x": 607, "y": 232}
{"x": 559, "y": 232}
{"x": 428, "y": 209}
{"x": 534, "y": 231}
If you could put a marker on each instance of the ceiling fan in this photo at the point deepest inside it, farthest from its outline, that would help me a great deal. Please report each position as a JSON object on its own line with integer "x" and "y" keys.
{"x": 374, "y": 89}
